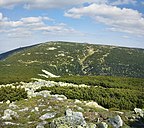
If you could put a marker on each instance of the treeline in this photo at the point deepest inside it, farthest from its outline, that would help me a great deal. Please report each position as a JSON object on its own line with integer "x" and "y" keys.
{"x": 104, "y": 81}
{"x": 107, "y": 97}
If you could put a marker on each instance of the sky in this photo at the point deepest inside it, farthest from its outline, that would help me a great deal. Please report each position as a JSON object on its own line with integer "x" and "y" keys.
{"x": 108, "y": 22}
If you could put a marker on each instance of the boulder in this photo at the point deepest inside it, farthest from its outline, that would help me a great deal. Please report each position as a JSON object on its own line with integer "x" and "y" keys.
{"x": 90, "y": 125}
{"x": 59, "y": 97}
{"x": 69, "y": 112}
{"x": 102, "y": 125}
{"x": 44, "y": 93}
{"x": 95, "y": 105}
{"x": 75, "y": 117}
{"x": 30, "y": 93}
{"x": 13, "y": 105}
{"x": 116, "y": 122}
{"x": 80, "y": 109}
{"x": 8, "y": 102}
{"x": 1, "y": 102}
{"x": 8, "y": 114}
{"x": 47, "y": 116}
{"x": 10, "y": 123}
{"x": 77, "y": 101}
{"x": 23, "y": 110}
{"x": 41, "y": 124}
{"x": 37, "y": 109}
{"x": 139, "y": 111}
{"x": 71, "y": 119}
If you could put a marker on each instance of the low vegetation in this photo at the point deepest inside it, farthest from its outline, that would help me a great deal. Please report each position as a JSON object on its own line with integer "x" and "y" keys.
{"x": 110, "y": 92}
{"x": 12, "y": 94}
{"x": 107, "y": 97}
{"x": 104, "y": 81}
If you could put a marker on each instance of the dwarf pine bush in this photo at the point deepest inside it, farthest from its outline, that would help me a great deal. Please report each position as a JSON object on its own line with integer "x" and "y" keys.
{"x": 12, "y": 94}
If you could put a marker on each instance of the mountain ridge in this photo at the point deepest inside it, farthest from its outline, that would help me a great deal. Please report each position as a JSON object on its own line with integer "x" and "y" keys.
{"x": 71, "y": 58}
{"x": 10, "y": 52}
{"x": 21, "y": 48}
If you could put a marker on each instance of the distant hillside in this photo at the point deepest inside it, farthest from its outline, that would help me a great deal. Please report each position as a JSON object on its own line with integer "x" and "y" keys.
{"x": 6, "y": 54}
{"x": 65, "y": 58}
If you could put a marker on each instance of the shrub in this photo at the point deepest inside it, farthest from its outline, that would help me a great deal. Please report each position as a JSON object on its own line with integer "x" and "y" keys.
{"x": 107, "y": 97}
{"x": 12, "y": 94}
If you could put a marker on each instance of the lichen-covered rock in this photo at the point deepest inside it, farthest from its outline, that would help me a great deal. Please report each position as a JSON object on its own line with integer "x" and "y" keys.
{"x": 71, "y": 119}
{"x": 23, "y": 110}
{"x": 44, "y": 93}
{"x": 69, "y": 112}
{"x": 8, "y": 114}
{"x": 78, "y": 101}
{"x": 102, "y": 125}
{"x": 59, "y": 97}
{"x": 139, "y": 111}
{"x": 90, "y": 125}
{"x": 41, "y": 124}
{"x": 80, "y": 109}
{"x": 75, "y": 117}
{"x": 36, "y": 109}
{"x": 8, "y": 102}
{"x": 116, "y": 122}
{"x": 47, "y": 116}
{"x": 13, "y": 105}
{"x": 10, "y": 123}
{"x": 95, "y": 105}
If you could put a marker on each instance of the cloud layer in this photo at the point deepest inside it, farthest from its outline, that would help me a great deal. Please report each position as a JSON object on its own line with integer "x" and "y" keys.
{"x": 123, "y": 20}
{"x": 121, "y": 2}
{"x": 103, "y": 11}
{"x": 29, "y": 25}
{"x": 46, "y": 4}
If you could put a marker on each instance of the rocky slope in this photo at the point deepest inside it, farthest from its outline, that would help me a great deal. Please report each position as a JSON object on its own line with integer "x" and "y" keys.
{"x": 43, "y": 110}
{"x": 65, "y": 58}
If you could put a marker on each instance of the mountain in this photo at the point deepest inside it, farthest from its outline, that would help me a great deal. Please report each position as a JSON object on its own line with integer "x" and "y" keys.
{"x": 67, "y": 58}
{"x": 6, "y": 54}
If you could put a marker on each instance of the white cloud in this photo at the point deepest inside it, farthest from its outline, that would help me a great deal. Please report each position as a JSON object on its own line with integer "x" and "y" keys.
{"x": 46, "y": 4}
{"x": 35, "y": 19}
{"x": 123, "y": 20}
{"x": 23, "y": 22}
{"x": 121, "y": 2}
{"x": 32, "y": 19}
{"x": 1, "y": 16}
{"x": 59, "y": 3}
{"x": 31, "y": 25}
{"x": 10, "y": 3}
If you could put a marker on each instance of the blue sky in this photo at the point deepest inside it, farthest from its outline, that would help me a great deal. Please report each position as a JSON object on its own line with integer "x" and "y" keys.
{"x": 109, "y": 22}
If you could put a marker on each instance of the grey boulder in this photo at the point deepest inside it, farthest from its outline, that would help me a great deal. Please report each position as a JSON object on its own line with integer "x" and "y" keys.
{"x": 116, "y": 122}
{"x": 8, "y": 114}
{"x": 47, "y": 116}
